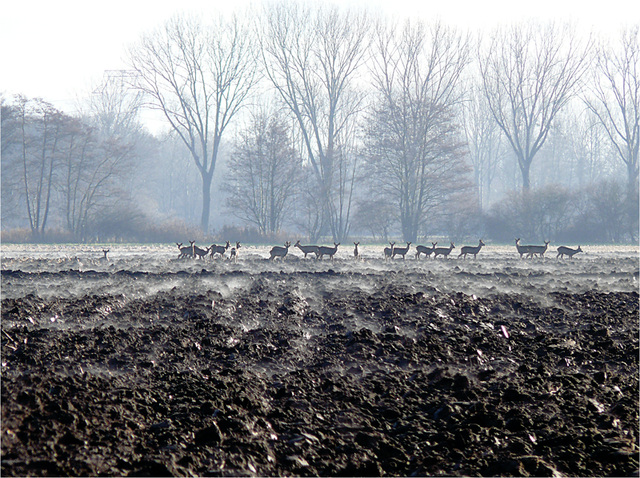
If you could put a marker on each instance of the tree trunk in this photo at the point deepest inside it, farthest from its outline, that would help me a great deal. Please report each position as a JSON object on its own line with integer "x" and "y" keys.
{"x": 525, "y": 167}
{"x": 632, "y": 178}
{"x": 206, "y": 201}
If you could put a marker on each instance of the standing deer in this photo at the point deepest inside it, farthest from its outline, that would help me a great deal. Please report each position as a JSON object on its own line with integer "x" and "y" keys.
{"x": 219, "y": 249}
{"x": 471, "y": 250}
{"x": 401, "y": 251}
{"x": 233, "y": 255}
{"x": 564, "y": 250}
{"x": 356, "y": 252}
{"x": 522, "y": 249}
{"x": 104, "y": 258}
{"x": 388, "y": 251}
{"x": 327, "y": 251}
{"x": 199, "y": 252}
{"x": 540, "y": 250}
{"x": 425, "y": 250}
{"x": 443, "y": 251}
{"x": 278, "y": 251}
{"x": 306, "y": 249}
{"x": 185, "y": 251}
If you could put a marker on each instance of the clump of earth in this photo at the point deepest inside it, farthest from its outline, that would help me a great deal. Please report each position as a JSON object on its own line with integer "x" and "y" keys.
{"x": 145, "y": 365}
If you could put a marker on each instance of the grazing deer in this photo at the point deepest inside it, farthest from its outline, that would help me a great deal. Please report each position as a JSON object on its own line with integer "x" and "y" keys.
{"x": 198, "y": 252}
{"x": 425, "y": 250}
{"x": 356, "y": 252}
{"x": 278, "y": 251}
{"x": 233, "y": 255}
{"x": 471, "y": 250}
{"x": 306, "y": 249}
{"x": 540, "y": 250}
{"x": 443, "y": 251}
{"x": 388, "y": 251}
{"x": 522, "y": 249}
{"x": 401, "y": 251}
{"x": 567, "y": 251}
{"x": 219, "y": 249}
{"x": 185, "y": 251}
{"x": 327, "y": 251}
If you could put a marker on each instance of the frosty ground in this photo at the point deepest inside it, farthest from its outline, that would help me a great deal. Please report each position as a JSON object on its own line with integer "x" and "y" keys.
{"x": 148, "y": 365}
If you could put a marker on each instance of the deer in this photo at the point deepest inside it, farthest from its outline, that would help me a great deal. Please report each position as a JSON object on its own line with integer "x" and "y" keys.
{"x": 104, "y": 258}
{"x": 185, "y": 251}
{"x": 233, "y": 255}
{"x": 306, "y": 249}
{"x": 356, "y": 252}
{"x": 425, "y": 250}
{"x": 567, "y": 251}
{"x": 443, "y": 251}
{"x": 388, "y": 251}
{"x": 540, "y": 250}
{"x": 278, "y": 251}
{"x": 219, "y": 249}
{"x": 327, "y": 251}
{"x": 198, "y": 252}
{"x": 401, "y": 251}
{"x": 522, "y": 249}
{"x": 471, "y": 250}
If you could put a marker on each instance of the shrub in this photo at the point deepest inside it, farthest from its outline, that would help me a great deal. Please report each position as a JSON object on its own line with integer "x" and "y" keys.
{"x": 606, "y": 215}
{"x": 538, "y": 215}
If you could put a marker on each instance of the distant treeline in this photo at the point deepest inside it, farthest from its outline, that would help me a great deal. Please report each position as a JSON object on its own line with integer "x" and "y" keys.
{"x": 315, "y": 121}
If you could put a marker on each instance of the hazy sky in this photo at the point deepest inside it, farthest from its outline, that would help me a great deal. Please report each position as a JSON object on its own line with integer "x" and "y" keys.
{"x": 59, "y": 49}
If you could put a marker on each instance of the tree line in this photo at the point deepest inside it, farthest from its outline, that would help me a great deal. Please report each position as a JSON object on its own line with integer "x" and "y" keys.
{"x": 331, "y": 123}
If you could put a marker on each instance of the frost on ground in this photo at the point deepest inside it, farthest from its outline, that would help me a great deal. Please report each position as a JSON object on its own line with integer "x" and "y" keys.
{"x": 146, "y": 364}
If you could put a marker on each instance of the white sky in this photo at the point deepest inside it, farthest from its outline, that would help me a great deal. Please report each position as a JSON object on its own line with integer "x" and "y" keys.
{"x": 59, "y": 49}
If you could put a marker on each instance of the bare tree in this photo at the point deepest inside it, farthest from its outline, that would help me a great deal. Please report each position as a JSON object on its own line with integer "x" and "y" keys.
{"x": 41, "y": 128}
{"x": 68, "y": 171}
{"x": 115, "y": 103}
{"x": 615, "y": 99}
{"x": 92, "y": 176}
{"x": 10, "y": 174}
{"x": 483, "y": 140}
{"x": 264, "y": 170}
{"x": 591, "y": 150}
{"x": 199, "y": 77}
{"x": 414, "y": 144}
{"x": 529, "y": 72}
{"x": 311, "y": 56}
{"x": 374, "y": 216}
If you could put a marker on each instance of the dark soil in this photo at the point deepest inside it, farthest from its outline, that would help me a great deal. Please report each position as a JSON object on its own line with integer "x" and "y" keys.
{"x": 399, "y": 379}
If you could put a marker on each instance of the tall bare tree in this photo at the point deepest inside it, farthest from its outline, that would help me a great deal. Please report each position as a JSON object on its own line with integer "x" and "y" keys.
{"x": 483, "y": 140}
{"x": 591, "y": 150}
{"x": 264, "y": 170}
{"x": 41, "y": 129}
{"x": 414, "y": 145}
{"x": 93, "y": 173}
{"x": 529, "y": 73}
{"x": 311, "y": 55}
{"x": 115, "y": 103}
{"x": 10, "y": 172}
{"x": 615, "y": 99}
{"x": 199, "y": 76}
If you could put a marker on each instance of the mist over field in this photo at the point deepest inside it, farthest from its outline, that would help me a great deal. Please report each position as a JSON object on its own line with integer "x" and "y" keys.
{"x": 139, "y": 270}
{"x": 148, "y": 364}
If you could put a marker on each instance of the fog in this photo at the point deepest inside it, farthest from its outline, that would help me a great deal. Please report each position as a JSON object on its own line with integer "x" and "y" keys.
{"x": 137, "y": 271}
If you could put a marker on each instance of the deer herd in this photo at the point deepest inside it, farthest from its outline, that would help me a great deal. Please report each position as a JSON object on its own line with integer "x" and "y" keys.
{"x": 280, "y": 252}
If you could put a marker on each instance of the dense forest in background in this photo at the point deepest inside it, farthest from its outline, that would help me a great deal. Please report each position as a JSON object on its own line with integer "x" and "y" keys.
{"x": 317, "y": 122}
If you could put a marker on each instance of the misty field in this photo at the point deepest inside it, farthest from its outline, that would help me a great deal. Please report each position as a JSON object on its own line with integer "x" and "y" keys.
{"x": 143, "y": 364}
